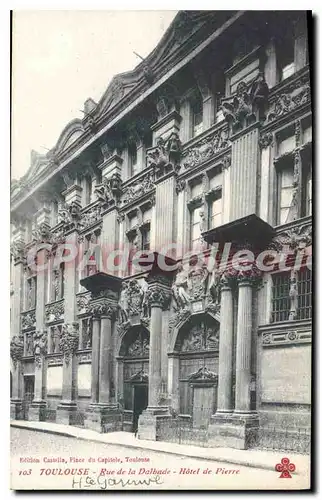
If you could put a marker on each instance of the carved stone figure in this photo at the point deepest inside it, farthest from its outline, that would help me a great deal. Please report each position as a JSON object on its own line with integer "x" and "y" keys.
{"x": 29, "y": 344}
{"x": 123, "y": 304}
{"x": 180, "y": 288}
{"x": 56, "y": 339}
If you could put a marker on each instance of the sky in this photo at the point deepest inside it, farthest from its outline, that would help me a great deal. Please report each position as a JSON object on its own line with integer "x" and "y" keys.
{"x": 60, "y": 58}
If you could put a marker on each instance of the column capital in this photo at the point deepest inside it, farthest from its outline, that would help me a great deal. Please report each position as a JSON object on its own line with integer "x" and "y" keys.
{"x": 16, "y": 349}
{"x": 102, "y": 308}
{"x": 39, "y": 345}
{"x": 18, "y": 251}
{"x": 249, "y": 276}
{"x": 69, "y": 340}
{"x": 159, "y": 295}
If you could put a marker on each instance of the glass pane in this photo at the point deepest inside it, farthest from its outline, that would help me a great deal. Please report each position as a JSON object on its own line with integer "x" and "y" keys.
{"x": 283, "y": 215}
{"x": 215, "y": 181}
{"x": 288, "y": 70}
{"x": 196, "y": 189}
{"x": 286, "y": 196}
{"x": 286, "y": 145}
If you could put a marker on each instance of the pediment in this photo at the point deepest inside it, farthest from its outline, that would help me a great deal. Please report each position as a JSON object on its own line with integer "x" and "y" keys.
{"x": 73, "y": 130}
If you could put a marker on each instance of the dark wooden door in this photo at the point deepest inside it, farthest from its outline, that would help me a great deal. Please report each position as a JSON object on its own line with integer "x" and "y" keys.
{"x": 140, "y": 403}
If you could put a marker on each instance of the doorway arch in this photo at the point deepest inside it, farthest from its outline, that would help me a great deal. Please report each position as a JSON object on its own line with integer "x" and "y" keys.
{"x": 196, "y": 350}
{"x": 134, "y": 356}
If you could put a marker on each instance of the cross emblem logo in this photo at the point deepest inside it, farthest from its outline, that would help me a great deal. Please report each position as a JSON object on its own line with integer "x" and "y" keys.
{"x": 285, "y": 467}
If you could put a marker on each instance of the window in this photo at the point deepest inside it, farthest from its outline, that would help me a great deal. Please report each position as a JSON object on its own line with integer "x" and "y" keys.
{"x": 304, "y": 294}
{"x": 197, "y": 116}
{"x": 146, "y": 237}
{"x": 285, "y": 58}
{"x": 215, "y": 211}
{"x": 220, "y": 85}
{"x": 286, "y": 190}
{"x": 195, "y": 228}
{"x": 133, "y": 159}
{"x": 294, "y": 174}
{"x": 282, "y": 307}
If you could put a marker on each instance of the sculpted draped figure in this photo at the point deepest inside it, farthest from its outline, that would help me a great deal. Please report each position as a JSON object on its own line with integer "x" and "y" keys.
{"x": 180, "y": 287}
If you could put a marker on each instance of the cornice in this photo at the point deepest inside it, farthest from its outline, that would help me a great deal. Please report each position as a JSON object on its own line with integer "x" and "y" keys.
{"x": 137, "y": 96}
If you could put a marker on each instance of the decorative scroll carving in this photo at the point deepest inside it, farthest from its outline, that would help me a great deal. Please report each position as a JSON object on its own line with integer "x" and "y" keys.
{"x": 18, "y": 251}
{"x": 102, "y": 307}
{"x": 205, "y": 149}
{"x": 109, "y": 192}
{"x": 180, "y": 185}
{"x": 41, "y": 234}
{"x": 70, "y": 215}
{"x": 139, "y": 347}
{"x": 252, "y": 276}
{"x": 28, "y": 320}
{"x": 179, "y": 316}
{"x": 266, "y": 140}
{"x": 54, "y": 311}
{"x": 40, "y": 345}
{"x": 82, "y": 302}
{"x": 195, "y": 284}
{"x": 165, "y": 156}
{"x": 16, "y": 349}
{"x": 295, "y": 95}
{"x": 138, "y": 188}
{"x": 69, "y": 340}
{"x": 133, "y": 300}
{"x": 158, "y": 296}
{"x": 203, "y": 374}
{"x": 297, "y": 336}
{"x": 91, "y": 217}
{"x": 247, "y": 105}
{"x": 296, "y": 238}
{"x": 140, "y": 376}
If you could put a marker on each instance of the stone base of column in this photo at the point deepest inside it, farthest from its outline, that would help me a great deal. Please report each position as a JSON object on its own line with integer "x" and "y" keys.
{"x": 16, "y": 410}
{"x": 65, "y": 413}
{"x": 102, "y": 417}
{"x": 149, "y": 421}
{"x": 233, "y": 430}
{"x": 35, "y": 411}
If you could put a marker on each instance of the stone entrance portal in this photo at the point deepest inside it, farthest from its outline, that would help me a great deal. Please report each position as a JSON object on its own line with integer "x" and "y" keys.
{"x": 140, "y": 403}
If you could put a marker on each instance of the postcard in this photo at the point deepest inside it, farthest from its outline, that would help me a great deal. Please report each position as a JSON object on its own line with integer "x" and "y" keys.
{"x": 161, "y": 250}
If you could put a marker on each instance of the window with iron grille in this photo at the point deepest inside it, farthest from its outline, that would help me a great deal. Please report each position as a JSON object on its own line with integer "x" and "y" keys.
{"x": 280, "y": 297}
{"x": 304, "y": 288}
{"x": 281, "y": 301}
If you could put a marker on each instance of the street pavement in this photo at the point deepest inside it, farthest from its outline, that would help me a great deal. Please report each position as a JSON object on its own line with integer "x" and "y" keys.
{"x": 38, "y": 458}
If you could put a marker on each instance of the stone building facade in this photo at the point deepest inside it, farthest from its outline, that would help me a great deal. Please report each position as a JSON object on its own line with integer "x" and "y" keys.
{"x": 203, "y": 150}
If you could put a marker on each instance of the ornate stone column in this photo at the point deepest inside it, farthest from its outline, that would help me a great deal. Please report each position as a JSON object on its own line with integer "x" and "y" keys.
{"x": 16, "y": 345}
{"x": 243, "y": 348}
{"x": 40, "y": 349}
{"x": 225, "y": 403}
{"x": 102, "y": 412}
{"x": 159, "y": 296}
{"x": 40, "y": 336}
{"x": 16, "y": 352}
{"x": 95, "y": 357}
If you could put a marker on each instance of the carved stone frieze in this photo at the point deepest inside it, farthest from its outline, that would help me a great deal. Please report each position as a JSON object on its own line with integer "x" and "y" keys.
{"x": 69, "y": 340}
{"x": 203, "y": 374}
{"x": 82, "y": 302}
{"x": 201, "y": 336}
{"x": 179, "y": 316}
{"x": 296, "y": 94}
{"x": 296, "y": 238}
{"x": 54, "y": 311}
{"x": 286, "y": 336}
{"x": 140, "y": 376}
{"x": 16, "y": 349}
{"x": 28, "y": 320}
{"x": 39, "y": 345}
{"x": 138, "y": 188}
{"x": 205, "y": 149}
{"x": 91, "y": 217}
